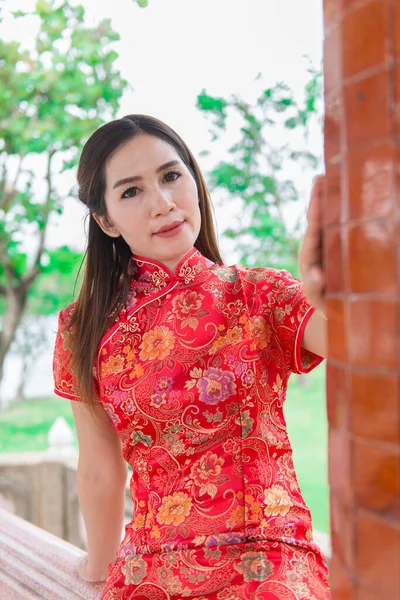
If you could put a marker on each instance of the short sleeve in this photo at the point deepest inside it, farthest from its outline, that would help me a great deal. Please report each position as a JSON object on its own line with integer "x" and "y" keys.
{"x": 291, "y": 313}
{"x": 64, "y": 383}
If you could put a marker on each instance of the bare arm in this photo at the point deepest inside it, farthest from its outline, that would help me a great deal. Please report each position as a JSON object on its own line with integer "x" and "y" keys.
{"x": 311, "y": 268}
{"x": 101, "y": 479}
{"x": 315, "y": 335}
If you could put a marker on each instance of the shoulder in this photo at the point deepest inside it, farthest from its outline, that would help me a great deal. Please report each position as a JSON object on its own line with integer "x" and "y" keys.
{"x": 65, "y": 315}
{"x": 272, "y": 278}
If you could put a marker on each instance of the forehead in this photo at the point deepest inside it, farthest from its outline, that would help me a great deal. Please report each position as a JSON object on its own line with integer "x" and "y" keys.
{"x": 141, "y": 155}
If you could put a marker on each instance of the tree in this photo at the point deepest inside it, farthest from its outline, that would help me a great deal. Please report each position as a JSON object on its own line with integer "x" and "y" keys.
{"x": 254, "y": 169}
{"x": 30, "y": 341}
{"x": 52, "y": 290}
{"x": 53, "y": 95}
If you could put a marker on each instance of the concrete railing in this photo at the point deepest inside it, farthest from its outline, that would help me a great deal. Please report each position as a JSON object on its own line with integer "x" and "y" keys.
{"x": 42, "y": 489}
{"x": 36, "y": 565}
{"x": 41, "y": 486}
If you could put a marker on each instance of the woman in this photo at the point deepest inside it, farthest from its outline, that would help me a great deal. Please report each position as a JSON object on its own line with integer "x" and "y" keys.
{"x": 178, "y": 365}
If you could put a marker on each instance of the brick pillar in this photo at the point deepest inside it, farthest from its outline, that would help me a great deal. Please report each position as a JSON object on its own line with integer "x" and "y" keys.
{"x": 362, "y": 261}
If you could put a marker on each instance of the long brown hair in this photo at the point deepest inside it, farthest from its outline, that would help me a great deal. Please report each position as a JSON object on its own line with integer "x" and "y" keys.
{"x": 105, "y": 282}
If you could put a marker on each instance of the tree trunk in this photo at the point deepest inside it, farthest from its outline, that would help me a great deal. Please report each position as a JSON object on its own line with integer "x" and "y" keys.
{"x": 16, "y": 302}
{"x": 16, "y": 286}
{"x": 20, "y": 393}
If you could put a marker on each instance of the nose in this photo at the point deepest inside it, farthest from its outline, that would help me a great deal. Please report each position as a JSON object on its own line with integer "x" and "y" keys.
{"x": 161, "y": 203}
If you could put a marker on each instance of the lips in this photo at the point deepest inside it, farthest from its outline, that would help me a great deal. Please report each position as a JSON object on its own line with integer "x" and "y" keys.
{"x": 169, "y": 227}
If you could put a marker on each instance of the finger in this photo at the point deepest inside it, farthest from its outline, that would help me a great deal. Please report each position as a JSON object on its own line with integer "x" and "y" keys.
{"x": 311, "y": 250}
{"x": 81, "y": 567}
{"x": 314, "y": 286}
{"x": 314, "y": 212}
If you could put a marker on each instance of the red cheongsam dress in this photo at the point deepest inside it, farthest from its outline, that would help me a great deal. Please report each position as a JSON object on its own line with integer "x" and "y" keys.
{"x": 193, "y": 374}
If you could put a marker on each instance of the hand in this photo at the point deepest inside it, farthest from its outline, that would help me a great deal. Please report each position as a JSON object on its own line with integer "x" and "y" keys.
{"x": 311, "y": 251}
{"x": 87, "y": 573}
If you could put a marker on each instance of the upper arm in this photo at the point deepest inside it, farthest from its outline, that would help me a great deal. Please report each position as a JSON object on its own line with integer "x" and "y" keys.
{"x": 100, "y": 449}
{"x": 293, "y": 316}
{"x": 315, "y": 333}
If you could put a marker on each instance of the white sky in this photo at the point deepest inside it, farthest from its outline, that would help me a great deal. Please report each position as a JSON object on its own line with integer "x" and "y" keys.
{"x": 173, "y": 49}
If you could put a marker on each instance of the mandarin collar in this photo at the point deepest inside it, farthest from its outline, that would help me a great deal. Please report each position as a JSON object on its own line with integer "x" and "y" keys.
{"x": 151, "y": 273}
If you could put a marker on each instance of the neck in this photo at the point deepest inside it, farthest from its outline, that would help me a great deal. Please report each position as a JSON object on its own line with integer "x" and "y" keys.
{"x": 170, "y": 264}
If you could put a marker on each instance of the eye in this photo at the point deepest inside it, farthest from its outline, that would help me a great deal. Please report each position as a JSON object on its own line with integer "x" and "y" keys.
{"x": 130, "y": 192}
{"x": 172, "y": 176}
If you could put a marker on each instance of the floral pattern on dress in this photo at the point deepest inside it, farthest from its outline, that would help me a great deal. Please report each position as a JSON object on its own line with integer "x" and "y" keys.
{"x": 215, "y": 385}
{"x": 277, "y": 500}
{"x": 157, "y": 344}
{"x": 254, "y": 566}
{"x": 174, "y": 509}
{"x": 193, "y": 375}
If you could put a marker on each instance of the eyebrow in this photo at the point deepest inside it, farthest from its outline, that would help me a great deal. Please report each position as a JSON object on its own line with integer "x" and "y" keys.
{"x": 125, "y": 180}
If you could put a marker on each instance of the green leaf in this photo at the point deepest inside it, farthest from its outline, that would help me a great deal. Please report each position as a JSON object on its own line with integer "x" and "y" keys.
{"x": 291, "y": 123}
{"x": 253, "y": 171}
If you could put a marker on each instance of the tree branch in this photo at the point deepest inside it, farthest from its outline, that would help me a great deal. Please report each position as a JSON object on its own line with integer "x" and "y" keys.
{"x": 11, "y": 276}
{"x": 34, "y": 271}
{"x": 18, "y": 173}
{"x": 8, "y": 196}
{"x": 3, "y": 178}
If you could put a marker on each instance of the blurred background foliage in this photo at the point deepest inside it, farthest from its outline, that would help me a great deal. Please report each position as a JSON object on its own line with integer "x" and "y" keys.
{"x": 253, "y": 171}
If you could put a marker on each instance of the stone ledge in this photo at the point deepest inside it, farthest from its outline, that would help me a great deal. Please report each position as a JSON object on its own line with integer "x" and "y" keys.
{"x": 34, "y": 458}
{"x": 36, "y": 565}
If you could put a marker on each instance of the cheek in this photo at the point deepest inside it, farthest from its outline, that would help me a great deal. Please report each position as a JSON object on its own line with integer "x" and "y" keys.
{"x": 115, "y": 210}
{"x": 191, "y": 193}
{"x": 129, "y": 222}
{"x": 123, "y": 212}
{"x": 197, "y": 218}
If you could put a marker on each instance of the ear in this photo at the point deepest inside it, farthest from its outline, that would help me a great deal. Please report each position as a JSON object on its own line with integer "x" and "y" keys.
{"x": 106, "y": 226}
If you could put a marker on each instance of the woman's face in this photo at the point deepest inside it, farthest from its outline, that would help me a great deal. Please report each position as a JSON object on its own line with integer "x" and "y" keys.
{"x": 152, "y": 200}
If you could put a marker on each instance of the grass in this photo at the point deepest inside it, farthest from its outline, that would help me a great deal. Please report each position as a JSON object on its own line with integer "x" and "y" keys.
{"x": 305, "y": 412}
{"x": 24, "y": 427}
